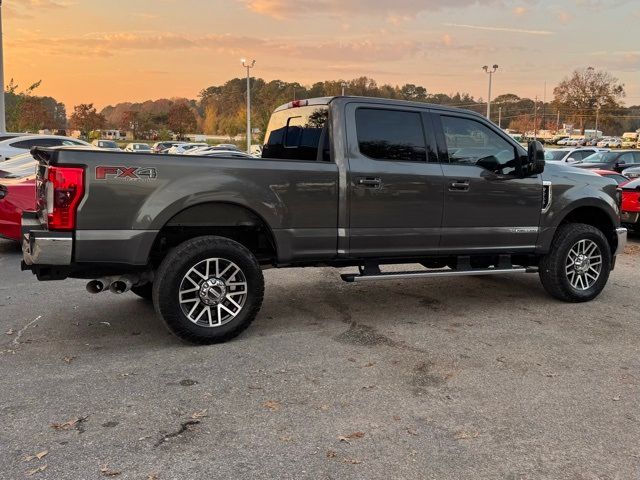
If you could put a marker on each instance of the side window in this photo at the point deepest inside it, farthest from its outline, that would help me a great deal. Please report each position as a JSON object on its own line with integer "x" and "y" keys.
{"x": 391, "y": 135}
{"x": 636, "y": 156}
{"x": 26, "y": 144}
{"x": 295, "y": 133}
{"x": 626, "y": 158}
{"x": 469, "y": 142}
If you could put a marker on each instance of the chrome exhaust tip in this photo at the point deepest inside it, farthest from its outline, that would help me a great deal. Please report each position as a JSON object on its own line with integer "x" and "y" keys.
{"x": 120, "y": 286}
{"x": 98, "y": 286}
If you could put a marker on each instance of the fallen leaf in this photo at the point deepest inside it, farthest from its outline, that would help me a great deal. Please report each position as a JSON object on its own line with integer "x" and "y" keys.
{"x": 412, "y": 432}
{"x": 501, "y": 359}
{"x": 68, "y": 359}
{"x": 466, "y": 435}
{"x": 68, "y": 425}
{"x": 331, "y": 454}
{"x": 324, "y": 407}
{"x": 368, "y": 387}
{"x": 352, "y": 461}
{"x": 33, "y": 471}
{"x": 396, "y": 418}
{"x": 550, "y": 374}
{"x": 352, "y": 360}
{"x": 616, "y": 398}
{"x": 9, "y": 332}
{"x": 39, "y": 456}
{"x": 351, "y": 436}
{"x": 107, "y": 472}
{"x": 370, "y": 364}
{"x": 152, "y": 476}
{"x": 272, "y": 405}
{"x": 286, "y": 439}
{"x": 200, "y": 414}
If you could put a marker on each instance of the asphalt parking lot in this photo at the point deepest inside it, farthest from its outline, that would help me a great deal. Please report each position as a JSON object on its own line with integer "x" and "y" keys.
{"x": 466, "y": 378}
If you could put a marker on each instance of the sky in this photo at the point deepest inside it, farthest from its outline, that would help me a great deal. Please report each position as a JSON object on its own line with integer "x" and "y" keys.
{"x": 109, "y": 51}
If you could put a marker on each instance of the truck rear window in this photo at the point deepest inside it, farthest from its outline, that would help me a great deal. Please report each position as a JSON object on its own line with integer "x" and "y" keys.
{"x": 295, "y": 133}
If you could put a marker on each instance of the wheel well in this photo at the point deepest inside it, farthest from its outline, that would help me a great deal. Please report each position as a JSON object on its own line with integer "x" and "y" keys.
{"x": 222, "y": 219}
{"x": 597, "y": 218}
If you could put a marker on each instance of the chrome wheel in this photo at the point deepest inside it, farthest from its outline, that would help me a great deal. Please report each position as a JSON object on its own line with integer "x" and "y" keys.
{"x": 213, "y": 292}
{"x": 584, "y": 264}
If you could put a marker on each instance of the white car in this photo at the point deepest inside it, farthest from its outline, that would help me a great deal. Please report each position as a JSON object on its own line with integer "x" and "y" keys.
{"x": 138, "y": 148}
{"x": 183, "y": 148}
{"x": 15, "y": 146}
{"x": 227, "y": 153}
{"x": 106, "y": 145}
{"x": 570, "y": 155}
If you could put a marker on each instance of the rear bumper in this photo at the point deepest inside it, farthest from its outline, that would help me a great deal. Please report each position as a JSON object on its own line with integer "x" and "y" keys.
{"x": 622, "y": 240}
{"x": 41, "y": 247}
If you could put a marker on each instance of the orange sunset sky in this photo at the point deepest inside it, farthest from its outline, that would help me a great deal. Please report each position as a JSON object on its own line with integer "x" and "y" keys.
{"x": 110, "y": 51}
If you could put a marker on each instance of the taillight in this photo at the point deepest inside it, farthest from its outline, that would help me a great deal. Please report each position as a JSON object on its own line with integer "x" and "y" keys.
{"x": 64, "y": 191}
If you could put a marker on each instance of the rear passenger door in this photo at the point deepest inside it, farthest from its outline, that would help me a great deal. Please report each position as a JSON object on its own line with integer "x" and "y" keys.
{"x": 487, "y": 206}
{"x": 395, "y": 185}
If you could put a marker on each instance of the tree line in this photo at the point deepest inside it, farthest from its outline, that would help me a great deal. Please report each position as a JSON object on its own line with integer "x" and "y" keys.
{"x": 221, "y": 110}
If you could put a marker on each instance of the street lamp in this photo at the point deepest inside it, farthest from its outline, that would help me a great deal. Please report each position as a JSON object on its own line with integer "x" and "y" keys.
{"x": 3, "y": 125}
{"x": 248, "y": 66}
{"x": 490, "y": 72}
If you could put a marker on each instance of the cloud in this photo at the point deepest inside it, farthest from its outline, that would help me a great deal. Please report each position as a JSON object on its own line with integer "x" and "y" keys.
{"x": 398, "y": 8}
{"x": 501, "y": 29}
{"x": 520, "y": 11}
{"x": 622, "y": 61}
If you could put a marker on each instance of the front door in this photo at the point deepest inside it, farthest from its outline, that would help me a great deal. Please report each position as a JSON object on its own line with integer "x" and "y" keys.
{"x": 395, "y": 182}
{"x": 487, "y": 206}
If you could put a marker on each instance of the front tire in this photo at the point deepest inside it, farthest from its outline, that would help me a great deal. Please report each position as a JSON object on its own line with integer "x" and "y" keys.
{"x": 208, "y": 289}
{"x": 577, "y": 267}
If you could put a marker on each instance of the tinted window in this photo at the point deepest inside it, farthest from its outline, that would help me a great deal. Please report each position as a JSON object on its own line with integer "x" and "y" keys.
{"x": 554, "y": 155}
{"x": 295, "y": 133}
{"x": 469, "y": 142}
{"x": 391, "y": 135}
{"x": 626, "y": 158}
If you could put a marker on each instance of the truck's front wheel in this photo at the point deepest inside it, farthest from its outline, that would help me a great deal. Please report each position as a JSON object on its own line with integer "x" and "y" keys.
{"x": 578, "y": 265}
{"x": 208, "y": 289}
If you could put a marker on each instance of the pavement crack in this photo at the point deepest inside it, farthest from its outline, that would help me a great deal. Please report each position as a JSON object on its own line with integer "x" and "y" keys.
{"x": 184, "y": 427}
{"x": 16, "y": 340}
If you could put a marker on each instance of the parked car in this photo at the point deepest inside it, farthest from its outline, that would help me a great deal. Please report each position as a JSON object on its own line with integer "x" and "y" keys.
{"x": 226, "y": 153}
{"x": 618, "y": 177}
{"x": 630, "y": 210}
{"x": 183, "y": 148}
{"x": 617, "y": 161}
{"x": 22, "y": 144}
{"x": 21, "y": 162}
{"x": 16, "y": 195}
{"x": 576, "y": 142}
{"x": 610, "y": 142}
{"x": 160, "y": 147}
{"x": 570, "y": 155}
{"x": 193, "y": 234}
{"x": 632, "y": 172}
{"x": 630, "y": 139}
{"x": 138, "y": 148}
{"x": 106, "y": 145}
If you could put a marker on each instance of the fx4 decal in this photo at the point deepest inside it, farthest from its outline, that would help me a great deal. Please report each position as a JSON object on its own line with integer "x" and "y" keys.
{"x": 126, "y": 173}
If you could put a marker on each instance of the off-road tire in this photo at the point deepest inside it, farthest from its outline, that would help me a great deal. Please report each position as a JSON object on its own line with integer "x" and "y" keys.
{"x": 552, "y": 266}
{"x": 144, "y": 291}
{"x": 176, "y": 265}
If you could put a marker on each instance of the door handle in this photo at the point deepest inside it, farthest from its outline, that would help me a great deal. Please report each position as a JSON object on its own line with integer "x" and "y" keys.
{"x": 370, "y": 182}
{"x": 459, "y": 186}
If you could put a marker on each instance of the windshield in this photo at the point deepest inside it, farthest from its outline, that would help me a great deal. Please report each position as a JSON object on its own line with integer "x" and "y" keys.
{"x": 601, "y": 157}
{"x": 554, "y": 154}
{"x": 105, "y": 144}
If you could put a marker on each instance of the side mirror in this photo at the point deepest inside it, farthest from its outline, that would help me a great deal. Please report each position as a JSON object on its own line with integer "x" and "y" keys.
{"x": 535, "y": 159}
{"x": 571, "y": 160}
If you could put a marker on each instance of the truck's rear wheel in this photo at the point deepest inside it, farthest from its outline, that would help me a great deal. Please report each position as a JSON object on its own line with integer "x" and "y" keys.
{"x": 577, "y": 267}
{"x": 208, "y": 289}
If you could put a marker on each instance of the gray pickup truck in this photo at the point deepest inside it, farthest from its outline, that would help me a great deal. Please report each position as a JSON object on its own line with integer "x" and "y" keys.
{"x": 344, "y": 181}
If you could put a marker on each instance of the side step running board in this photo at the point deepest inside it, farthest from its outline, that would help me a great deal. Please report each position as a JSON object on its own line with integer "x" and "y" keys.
{"x": 354, "y": 277}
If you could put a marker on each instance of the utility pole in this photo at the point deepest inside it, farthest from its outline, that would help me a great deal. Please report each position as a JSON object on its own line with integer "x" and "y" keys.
{"x": 343, "y": 85}
{"x": 248, "y": 66}
{"x": 544, "y": 105}
{"x": 490, "y": 72}
{"x": 500, "y": 117}
{"x": 558, "y": 122}
{"x": 595, "y": 134}
{"x": 535, "y": 118}
{"x": 3, "y": 120}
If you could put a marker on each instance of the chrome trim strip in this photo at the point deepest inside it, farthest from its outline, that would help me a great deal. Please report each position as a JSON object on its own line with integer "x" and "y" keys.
{"x": 51, "y": 250}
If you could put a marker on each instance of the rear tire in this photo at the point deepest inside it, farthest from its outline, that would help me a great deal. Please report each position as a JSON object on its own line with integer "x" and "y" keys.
{"x": 208, "y": 290}
{"x": 577, "y": 267}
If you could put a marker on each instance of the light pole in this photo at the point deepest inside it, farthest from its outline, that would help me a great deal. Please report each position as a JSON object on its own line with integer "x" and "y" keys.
{"x": 248, "y": 66}
{"x": 3, "y": 125}
{"x": 490, "y": 72}
{"x": 343, "y": 85}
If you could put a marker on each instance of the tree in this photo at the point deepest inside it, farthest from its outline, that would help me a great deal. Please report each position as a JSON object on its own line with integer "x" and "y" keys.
{"x": 586, "y": 91}
{"x": 130, "y": 121}
{"x": 181, "y": 119}
{"x": 85, "y": 118}
{"x": 33, "y": 115}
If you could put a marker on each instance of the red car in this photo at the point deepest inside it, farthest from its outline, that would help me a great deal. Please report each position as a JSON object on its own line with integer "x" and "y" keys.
{"x": 618, "y": 177}
{"x": 630, "y": 203}
{"x": 17, "y": 193}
